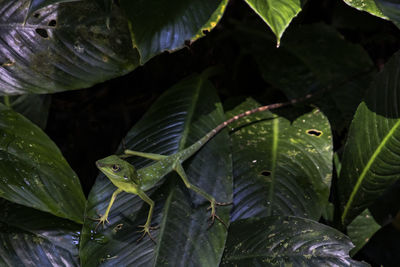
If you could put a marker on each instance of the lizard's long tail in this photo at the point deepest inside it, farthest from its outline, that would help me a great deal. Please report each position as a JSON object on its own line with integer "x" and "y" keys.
{"x": 196, "y": 146}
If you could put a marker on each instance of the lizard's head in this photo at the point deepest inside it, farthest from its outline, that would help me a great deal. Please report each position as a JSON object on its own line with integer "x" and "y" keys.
{"x": 117, "y": 170}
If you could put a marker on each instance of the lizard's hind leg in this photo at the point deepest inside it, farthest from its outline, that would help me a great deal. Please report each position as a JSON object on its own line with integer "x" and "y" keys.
{"x": 213, "y": 203}
{"x": 157, "y": 157}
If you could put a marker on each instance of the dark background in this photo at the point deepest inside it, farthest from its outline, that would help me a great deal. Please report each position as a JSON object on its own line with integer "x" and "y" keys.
{"x": 89, "y": 124}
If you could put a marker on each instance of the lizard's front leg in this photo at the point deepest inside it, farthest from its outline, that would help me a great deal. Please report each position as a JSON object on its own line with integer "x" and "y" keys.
{"x": 147, "y": 226}
{"x": 103, "y": 219}
{"x": 213, "y": 203}
{"x": 156, "y": 157}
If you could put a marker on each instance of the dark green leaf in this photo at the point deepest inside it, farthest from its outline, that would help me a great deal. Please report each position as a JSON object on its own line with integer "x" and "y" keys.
{"x": 314, "y": 58}
{"x": 33, "y": 171}
{"x": 281, "y": 167}
{"x": 372, "y": 152}
{"x": 179, "y": 118}
{"x": 391, "y": 9}
{"x": 286, "y": 241}
{"x": 159, "y": 26}
{"x": 34, "y": 107}
{"x": 33, "y": 238}
{"x": 277, "y": 14}
{"x": 366, "y": 5}
{"x": 361, "y": 229}
{"x": 70, "y": 47}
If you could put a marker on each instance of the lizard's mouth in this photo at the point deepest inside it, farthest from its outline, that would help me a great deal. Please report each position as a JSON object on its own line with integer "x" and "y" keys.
{"x": 99, "y": 165}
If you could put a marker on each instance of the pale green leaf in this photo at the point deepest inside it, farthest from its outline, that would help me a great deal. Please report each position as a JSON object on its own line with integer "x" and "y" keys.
{"x": 276, "y": 13}
{"x": 367, "y": 6}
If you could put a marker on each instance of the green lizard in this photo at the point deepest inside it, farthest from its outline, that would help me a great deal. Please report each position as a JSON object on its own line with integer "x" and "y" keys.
{"x": 127, "y": 179}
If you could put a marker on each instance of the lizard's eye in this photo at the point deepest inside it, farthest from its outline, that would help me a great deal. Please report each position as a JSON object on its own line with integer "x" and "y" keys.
{"x": 115, "y": 168}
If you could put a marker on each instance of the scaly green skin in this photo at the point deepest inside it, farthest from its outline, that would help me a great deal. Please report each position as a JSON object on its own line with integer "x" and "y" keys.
{"x": 126, "y": 178}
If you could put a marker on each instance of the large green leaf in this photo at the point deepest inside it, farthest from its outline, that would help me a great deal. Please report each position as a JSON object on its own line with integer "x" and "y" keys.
{"x": 361, "y": 230}
{"x": 281, "y": 167}
{"x": 180, "y": 117}
{"x": 63, "y": 47}
{"x": 372, "y": 152}
{"x": 391, "y": 9}
{"x": 286, "y": 241}
{"x": 158, "y": 25}
{"x": 30, "y": 237}
{"x": 277, "y": 14}
{"x": 33, "y": 171}
{"x": 366, "y": 5}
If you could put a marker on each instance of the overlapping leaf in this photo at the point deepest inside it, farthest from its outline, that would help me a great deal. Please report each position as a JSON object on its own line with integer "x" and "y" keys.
{"x": 33, "y": 238}
{"x": 372, "y": 152}
{"x": 61, "y": 47}
{"x": 158, "y": 25}
{"x": 179, "y": 118}
{"x": 281, "y": 167}
{"x": 277, "y": 14}
{"x": 33, "y": 171}
{"x": 286, "y": 241}
{"x": 366, "y": 5}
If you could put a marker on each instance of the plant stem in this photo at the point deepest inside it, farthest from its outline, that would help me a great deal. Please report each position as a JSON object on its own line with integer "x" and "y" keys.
{"x": 7, "y": 101}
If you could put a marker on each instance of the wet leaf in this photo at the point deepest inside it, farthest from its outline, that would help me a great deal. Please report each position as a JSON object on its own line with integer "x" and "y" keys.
{"x": 286, "y": 241}
{"x": 62, "y": 47}
{"x": 277, "y": 14}
{"x": 372, "y": 152}
{"x": 33, "y": 238}
{"x": 179, "y": 118}
{"x": 154, "y": 29}
{"x": 280, "y": 167}
{"x": 33, "y": 171}
{"x": 367, "y": 6}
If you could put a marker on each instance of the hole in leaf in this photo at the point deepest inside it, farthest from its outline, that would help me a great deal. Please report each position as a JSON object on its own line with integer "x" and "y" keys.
{"x": 314, "y": 132}
{"x": 266, "y": 173}
{"x": 42, "y": 32}
{"x": 36, "y": 15}
{"x": 206, "y": 31}
{"x": 52, "y": 23}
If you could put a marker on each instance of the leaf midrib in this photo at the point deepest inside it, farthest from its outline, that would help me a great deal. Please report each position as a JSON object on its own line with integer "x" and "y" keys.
{"x": 366, "y": 169}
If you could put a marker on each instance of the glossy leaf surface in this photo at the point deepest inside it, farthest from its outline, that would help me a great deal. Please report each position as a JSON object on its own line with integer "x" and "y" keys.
{"x": 33, "y": 238}
{"x": 159, "y": 26}
{"x": 372, "y": 152}
{"x": 280, "y": 167}
{"x": 367, "y": 6}
{"x": 361, "y": 230}
{"x": 33, "y": 171}
{"x": 286, "y": 241}
{"x": 62, "y": 47}
{"x": 178, "y": 118}
{"x": 277, "y": 14}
